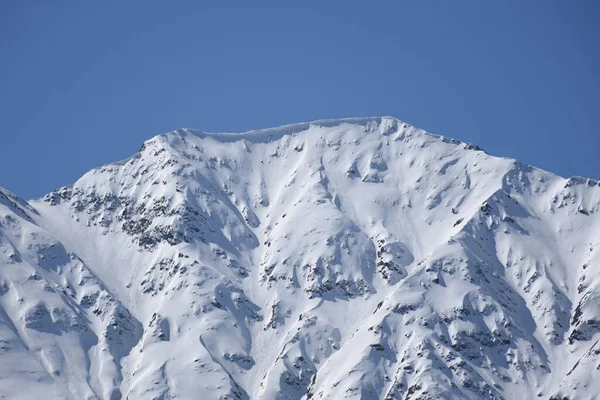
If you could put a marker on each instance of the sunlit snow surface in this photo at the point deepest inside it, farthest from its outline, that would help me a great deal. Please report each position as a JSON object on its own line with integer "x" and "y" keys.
{"x": 346, "y": 259}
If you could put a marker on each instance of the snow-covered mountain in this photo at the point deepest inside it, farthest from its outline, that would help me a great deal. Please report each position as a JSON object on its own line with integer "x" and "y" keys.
{"x": 346, "y": 259}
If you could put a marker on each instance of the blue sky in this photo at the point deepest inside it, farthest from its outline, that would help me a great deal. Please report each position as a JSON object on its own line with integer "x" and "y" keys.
{"x": 84, "y": 83}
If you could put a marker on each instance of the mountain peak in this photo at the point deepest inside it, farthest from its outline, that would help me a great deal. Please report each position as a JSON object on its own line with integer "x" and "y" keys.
{"x": 351, "y": 258}
{"x": 369, "y": 124}
{"x": 382, "y": 125}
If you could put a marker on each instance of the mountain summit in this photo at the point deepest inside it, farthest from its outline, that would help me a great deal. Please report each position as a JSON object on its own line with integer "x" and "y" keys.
{"x": 343, "y": 259}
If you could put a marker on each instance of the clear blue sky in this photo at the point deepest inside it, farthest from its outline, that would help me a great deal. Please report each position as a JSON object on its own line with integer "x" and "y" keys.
{"x": 84, "y": 83}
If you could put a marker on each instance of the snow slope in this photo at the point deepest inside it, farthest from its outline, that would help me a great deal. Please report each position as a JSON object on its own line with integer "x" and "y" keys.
{"x": 356, "y": 258}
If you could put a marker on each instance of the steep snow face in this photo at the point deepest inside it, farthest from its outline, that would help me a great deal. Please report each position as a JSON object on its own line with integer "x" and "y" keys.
{"x": 359, "y": 258}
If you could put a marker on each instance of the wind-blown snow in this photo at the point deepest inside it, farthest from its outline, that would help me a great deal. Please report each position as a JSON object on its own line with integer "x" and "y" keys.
{"x": 357, "y": 258}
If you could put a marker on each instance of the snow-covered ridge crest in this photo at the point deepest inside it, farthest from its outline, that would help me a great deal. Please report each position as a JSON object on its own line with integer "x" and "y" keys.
{"x": 370, "y": 124}
{"x": 353, "y": 258}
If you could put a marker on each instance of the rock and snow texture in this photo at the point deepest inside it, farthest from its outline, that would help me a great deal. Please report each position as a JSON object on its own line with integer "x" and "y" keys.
{"x": 347, "y": 259}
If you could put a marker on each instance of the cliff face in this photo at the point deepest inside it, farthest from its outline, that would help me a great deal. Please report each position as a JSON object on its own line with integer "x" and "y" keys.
{"x": 359, "y": 258}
